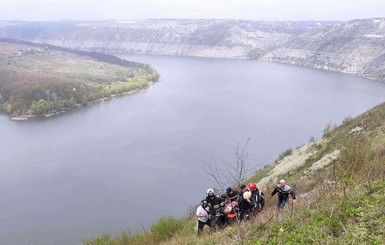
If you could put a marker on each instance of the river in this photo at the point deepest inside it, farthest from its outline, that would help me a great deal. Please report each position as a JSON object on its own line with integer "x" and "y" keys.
{"x": 122, "y": 164}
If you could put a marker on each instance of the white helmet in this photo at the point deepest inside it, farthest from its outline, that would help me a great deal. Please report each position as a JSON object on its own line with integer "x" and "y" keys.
{"x": 210, "y": 191}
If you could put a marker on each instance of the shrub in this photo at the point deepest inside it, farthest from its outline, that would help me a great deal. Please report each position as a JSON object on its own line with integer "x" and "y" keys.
{"x": 100, "y": 240}
{"x": 284, "y": 154}
{"x": 166, "y": 227}
{"x": 330, "y": 127}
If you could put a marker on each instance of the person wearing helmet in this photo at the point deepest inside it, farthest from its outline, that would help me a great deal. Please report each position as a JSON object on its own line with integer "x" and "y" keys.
{"x": 283, "y": 191}
{"x": 244, "y": 203}
{"x": 203, "y": 216}
{"x": 215, "y": 205}
{"x": 257, "y": 198}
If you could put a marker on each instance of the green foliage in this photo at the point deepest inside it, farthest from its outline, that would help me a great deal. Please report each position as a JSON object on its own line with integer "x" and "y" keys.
{"x": 41, "y": 107}
{"x": 166, "y": 227}
{"x": 101, "y": 240}
{"x": 137, "y": 83}
{"x": 359, "y": 163}
{"x": 284, "y": 154}
{"x": 40, "y": 98}
{"x": 347, "y": 121}
{"x": 4, "y": 105}
{"x": 49, "y": 81}
{"x": 8, "y": 107}
{"x": 153, "y": 76}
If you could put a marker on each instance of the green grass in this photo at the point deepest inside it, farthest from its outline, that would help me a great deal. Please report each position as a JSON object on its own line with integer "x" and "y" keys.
{"x": 339, "y": 204}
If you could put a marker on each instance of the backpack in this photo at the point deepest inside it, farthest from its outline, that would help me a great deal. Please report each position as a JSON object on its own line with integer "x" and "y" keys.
{"x": 261, "y": 200}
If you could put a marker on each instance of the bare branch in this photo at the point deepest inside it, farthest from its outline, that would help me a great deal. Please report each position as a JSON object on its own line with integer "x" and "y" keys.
{"x": 230, "y": 173}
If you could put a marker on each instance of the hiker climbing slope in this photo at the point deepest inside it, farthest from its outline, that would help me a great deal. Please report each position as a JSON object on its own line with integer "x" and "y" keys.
{"x": 203, "y": 216}
{"x": 283, "y": 191}
{"x": 257, "y": 198}
{"x": 244, "y": 203}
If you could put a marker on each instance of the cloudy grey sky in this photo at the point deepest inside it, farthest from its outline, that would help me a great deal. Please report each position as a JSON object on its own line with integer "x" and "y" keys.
{"x": 219, "y": 9}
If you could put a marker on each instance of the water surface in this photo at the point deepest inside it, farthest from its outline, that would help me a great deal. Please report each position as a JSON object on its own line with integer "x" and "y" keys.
{"x": 124, "y": 163}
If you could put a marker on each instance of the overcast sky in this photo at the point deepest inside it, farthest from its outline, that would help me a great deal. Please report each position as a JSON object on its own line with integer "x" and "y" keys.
{"x": 218, "y": 9}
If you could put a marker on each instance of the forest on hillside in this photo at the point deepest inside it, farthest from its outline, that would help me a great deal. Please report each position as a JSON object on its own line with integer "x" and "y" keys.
{"x": 38, "y": 80}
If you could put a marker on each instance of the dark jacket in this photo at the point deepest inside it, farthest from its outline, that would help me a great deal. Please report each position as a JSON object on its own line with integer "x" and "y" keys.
{"x": 233, "y": 196}
{"x": 283, "y": 193}
{"x": 215, "y": 204}
{"x": 257, "y": 199}
{"x": 243, "y": 204}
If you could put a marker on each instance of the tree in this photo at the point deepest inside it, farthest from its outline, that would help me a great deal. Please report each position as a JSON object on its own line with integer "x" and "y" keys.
{"x": 230, "y": 173}
{"x": 40, "y": 107}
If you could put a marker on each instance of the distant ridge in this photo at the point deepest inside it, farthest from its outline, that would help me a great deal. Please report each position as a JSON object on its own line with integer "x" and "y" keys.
{"x": 111, "y": 59}
{"x": 355, "y": 47}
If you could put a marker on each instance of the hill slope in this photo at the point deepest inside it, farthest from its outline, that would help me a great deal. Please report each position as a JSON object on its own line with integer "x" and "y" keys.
{"x": 339, "y": 182}
{"x": 41, "y": 79}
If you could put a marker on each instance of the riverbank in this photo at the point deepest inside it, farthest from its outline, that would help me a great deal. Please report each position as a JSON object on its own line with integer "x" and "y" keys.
{"x": 55, "y": 113}
{"x": 378, "y": 77}
{"x": 42, "y": 81}
{"x": 338, "y": 181}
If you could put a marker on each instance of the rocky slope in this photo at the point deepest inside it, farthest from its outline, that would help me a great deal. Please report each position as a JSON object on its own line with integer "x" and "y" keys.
{"x": 357, "y": 46}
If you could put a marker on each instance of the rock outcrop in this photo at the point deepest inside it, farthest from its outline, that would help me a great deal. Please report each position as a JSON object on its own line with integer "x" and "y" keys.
{"x": 356, "y": 46}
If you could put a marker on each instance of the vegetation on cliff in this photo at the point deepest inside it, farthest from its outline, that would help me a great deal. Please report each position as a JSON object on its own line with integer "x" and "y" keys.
{"x": 37, "y": 79}
{"x": 339, "y": 181}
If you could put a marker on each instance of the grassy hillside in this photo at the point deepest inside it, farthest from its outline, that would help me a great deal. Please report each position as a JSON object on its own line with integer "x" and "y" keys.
{"x": 339, "y": 181}
{"x": 38, "y": 79}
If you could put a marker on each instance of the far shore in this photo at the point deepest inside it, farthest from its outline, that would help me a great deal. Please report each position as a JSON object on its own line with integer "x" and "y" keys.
{"x": 322, "y": 68}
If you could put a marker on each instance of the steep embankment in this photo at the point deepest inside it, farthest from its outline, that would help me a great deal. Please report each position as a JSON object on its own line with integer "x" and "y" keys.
{"x": 356, "y": 47}
{"x": 339, "y": 182}
{"x": 46, "y": 80}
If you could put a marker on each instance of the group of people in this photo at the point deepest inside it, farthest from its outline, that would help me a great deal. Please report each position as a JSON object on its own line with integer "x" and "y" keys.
{"x": 218, "y": 210}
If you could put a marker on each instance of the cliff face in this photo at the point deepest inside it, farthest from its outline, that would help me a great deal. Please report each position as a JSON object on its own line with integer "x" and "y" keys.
{"x": 357, "y": 46}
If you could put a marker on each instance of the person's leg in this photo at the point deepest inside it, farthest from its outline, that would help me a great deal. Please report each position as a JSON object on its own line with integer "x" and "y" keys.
{"x": 247, "y": 214}
{"x": 281, "y": 203}
{"x": 200, "y": 226}
{"x": 241, "y": 214}
{"x": 214, "y": 223}
{"x": 208, "y": 223}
